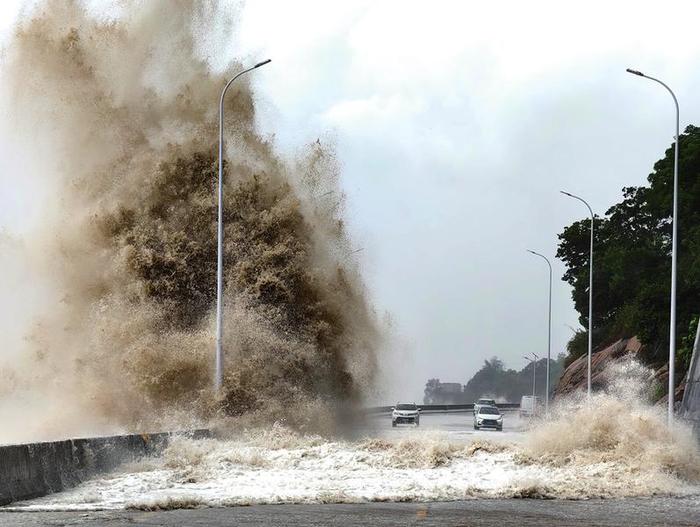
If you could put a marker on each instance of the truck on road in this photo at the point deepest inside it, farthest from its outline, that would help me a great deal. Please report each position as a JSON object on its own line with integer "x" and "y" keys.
{"x": 529, "y": 406}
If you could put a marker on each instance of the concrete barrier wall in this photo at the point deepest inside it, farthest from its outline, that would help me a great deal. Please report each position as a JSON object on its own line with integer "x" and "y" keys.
{"x": 33, "y": 470}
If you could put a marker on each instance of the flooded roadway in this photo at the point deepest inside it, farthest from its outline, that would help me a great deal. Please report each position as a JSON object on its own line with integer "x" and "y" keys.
{"x": 444, "y": 468}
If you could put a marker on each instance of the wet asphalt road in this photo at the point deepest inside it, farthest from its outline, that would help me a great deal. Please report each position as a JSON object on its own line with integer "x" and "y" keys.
{"x": 478, "y": 513}
{"x": 459, "y": 426}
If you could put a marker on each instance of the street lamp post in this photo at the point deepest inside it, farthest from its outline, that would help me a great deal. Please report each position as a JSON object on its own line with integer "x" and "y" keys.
{"x": 590, "y": 290}
{"x": 674, "y": 254}
{"x": 219, "y": 375}
{"x": 549, "y": 329}
{"x": 534, "y": 376}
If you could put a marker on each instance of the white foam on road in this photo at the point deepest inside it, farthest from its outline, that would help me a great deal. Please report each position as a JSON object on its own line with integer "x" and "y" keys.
{"x": 280, "y": 466}
{"x": 612, "y": 445}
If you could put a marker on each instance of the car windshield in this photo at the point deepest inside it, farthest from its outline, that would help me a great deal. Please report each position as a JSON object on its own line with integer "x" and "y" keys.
{"x": 489, "y": 410}
{"x": 486, "y": 401}
{"x": 406, "y": 407}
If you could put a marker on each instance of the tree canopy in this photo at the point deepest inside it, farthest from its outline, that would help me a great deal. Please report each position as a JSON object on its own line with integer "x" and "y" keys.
{"x": 632, "y": 260}
{"x": 494, "y": 380}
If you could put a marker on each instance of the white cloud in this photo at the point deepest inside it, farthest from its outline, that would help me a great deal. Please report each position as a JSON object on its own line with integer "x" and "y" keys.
{"x": 457, "y": 125}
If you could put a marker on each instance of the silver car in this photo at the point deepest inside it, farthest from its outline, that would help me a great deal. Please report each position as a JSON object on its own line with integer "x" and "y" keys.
{"x": 405, "y": 413}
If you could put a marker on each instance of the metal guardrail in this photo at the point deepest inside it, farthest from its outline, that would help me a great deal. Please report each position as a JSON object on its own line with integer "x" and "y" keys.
{"x": 690, "y": 405}
{"x": 440, "y": 407}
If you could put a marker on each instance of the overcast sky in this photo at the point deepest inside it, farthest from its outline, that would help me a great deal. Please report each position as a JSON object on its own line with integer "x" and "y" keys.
{"x": 456, "y": 127}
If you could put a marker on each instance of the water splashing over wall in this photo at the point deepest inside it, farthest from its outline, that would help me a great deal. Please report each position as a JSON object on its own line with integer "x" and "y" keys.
{"x": 124, "y": 109}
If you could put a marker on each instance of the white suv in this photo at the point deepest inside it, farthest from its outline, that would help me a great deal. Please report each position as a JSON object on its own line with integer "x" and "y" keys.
{"x": 405, "y": 413}
{"x": 488, "y": 417}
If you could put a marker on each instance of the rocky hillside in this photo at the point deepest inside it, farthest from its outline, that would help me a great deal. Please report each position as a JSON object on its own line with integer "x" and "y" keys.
{"x": 574, "y": 377}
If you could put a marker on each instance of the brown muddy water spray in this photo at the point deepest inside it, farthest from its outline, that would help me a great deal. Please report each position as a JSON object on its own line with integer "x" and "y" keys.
{"x": 122, "y": 110}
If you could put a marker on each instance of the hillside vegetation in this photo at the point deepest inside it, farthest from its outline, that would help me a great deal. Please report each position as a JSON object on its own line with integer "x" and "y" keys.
{"x": 496, "y": 381}
{"x": 632, "y": 264}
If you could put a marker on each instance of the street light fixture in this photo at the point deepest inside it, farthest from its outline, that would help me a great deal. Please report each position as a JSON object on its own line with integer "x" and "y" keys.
{"x": 549, "y": 329}
{"x": 590, "y": 290}
{"x": 674, "y": 254}
{"x": 219, "y": 375}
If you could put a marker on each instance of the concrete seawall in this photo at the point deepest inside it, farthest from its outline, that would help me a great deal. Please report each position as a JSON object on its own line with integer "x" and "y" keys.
{"x": 36, "y": 469}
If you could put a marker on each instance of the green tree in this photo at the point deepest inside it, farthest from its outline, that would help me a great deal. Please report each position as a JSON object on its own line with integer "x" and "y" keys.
{"x": 494, "y": 380}
{"x": 632, "y": 258}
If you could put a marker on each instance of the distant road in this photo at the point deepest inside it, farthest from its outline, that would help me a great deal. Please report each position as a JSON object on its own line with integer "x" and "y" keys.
{"x": 441, "y": 408}
{"x": 650, "y": 512}
{"x": 458, "y": 425}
